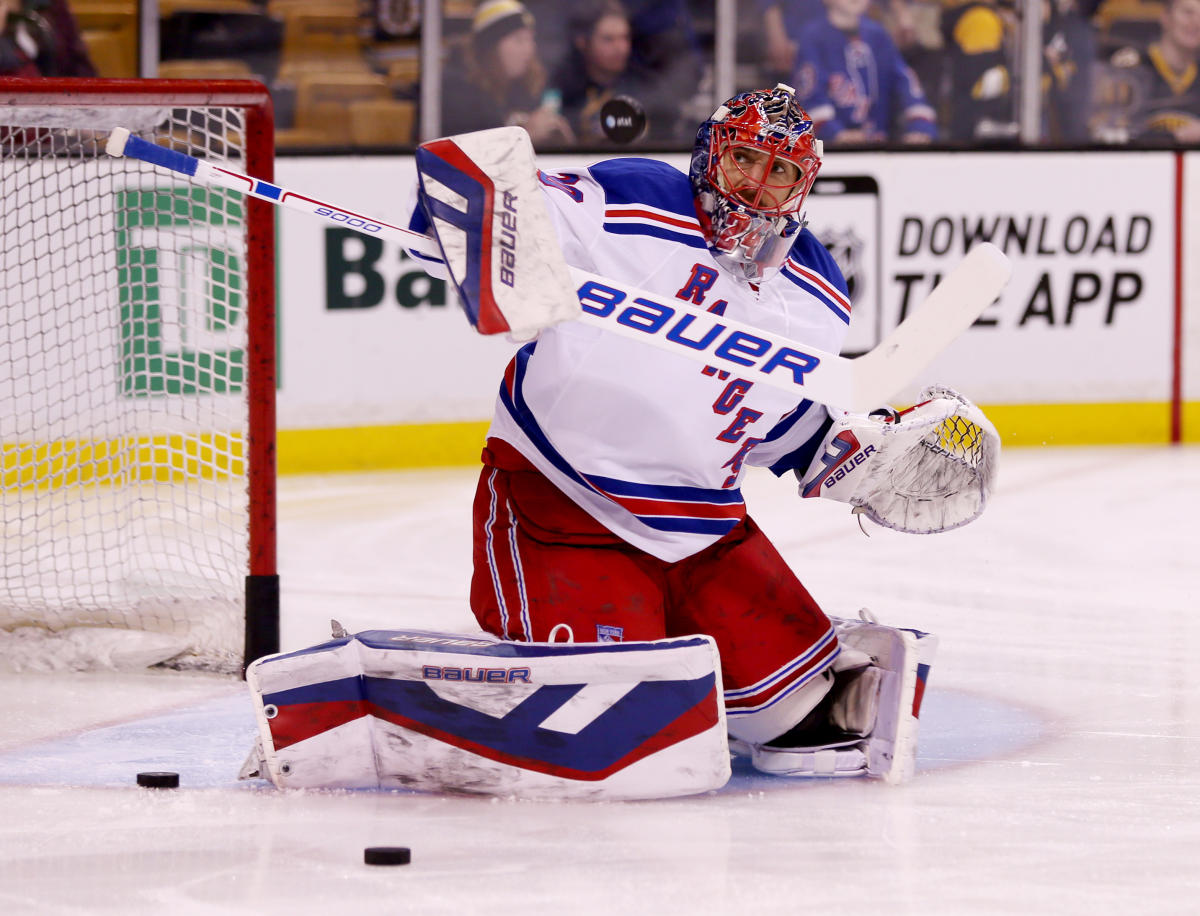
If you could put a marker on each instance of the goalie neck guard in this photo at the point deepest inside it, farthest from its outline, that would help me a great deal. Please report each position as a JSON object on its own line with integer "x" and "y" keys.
{"x": 753, "y": 164}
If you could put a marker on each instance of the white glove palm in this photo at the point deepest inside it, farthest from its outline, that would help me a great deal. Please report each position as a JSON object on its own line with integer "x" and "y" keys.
{"x": 929, "y": 468}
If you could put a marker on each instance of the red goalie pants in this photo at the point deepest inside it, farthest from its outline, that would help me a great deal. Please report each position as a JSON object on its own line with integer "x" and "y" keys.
{"x": 540, "y": 560}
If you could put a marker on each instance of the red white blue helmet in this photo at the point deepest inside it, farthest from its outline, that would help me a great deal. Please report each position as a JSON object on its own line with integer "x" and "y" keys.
{"x": 751, "y": 221}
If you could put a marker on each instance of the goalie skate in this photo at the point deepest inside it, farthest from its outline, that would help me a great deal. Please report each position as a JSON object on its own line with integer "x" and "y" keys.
{"x": 886, "y": 748}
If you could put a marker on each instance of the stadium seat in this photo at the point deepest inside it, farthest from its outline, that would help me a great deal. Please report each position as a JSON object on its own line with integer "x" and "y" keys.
{"x": 382, "y": 122}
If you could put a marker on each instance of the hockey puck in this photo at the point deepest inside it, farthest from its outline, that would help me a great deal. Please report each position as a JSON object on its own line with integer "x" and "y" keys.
{"x": 622, "y": 119}
{"x": 387, "y": 855}
{"x": 158, "y": 780}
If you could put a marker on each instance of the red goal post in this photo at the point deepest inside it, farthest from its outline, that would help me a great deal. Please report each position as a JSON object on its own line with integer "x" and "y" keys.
{"x": 138, "y": 370}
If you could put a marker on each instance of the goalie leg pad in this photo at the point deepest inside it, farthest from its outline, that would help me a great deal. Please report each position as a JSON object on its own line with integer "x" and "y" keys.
{"x": 873, "y": 716}
{"x": 840, "y": 758}
{"x": 757, "y": 725}
{"x": 904, "y": 658}
{"x": 446, "y": 712}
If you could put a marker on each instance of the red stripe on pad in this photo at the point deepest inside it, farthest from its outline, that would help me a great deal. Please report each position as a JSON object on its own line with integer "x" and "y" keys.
{"x": 300, "y": 721}
{"x": 656, "y": 217}
{"x": 695, "y": 721}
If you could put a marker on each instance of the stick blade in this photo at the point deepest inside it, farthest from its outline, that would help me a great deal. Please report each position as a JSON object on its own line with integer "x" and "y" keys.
{"x": 949, "y": 310}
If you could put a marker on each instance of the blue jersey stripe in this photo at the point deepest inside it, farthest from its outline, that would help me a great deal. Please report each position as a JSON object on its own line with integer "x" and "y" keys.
{"x": 658, "y": 232}
{"x": 662, "y": 491}
{"x": 785, "y": 425}
{"x": 520, "y": 412}
{"x": 717, "y": 526}
{"x": 819, "y": 293}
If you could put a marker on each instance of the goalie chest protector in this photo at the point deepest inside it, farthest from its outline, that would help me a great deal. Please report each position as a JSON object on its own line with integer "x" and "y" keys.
{"x": 448, "y": 712}
{"x": 650, "y": 444}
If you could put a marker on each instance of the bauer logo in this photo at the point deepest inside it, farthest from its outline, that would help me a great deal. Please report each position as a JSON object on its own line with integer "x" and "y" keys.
{"x": 477, "y": 675}
{"x": 424, "y": 639}
{"x": 845, "y": 469}
{"x": 707, "y": 334}
{"x": 181, "y": 291}
{"x": 842, "y": 456}
{"x": 508, "y": 239}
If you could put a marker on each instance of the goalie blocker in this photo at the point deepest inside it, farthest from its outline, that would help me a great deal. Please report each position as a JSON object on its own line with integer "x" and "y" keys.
{"x": 447, "y": 712}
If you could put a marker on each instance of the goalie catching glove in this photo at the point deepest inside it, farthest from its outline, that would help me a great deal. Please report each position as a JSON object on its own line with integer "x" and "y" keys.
{"x": 925, "y": 469}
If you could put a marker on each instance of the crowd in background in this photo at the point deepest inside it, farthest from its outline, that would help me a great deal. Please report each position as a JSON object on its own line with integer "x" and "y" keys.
{"x": 40, "y": 38}
{"x": 869, "y": 72}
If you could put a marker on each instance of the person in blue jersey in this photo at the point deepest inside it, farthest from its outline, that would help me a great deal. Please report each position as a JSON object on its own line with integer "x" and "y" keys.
{"x": 609, "y": 507}
{"x": 855, "y": 83}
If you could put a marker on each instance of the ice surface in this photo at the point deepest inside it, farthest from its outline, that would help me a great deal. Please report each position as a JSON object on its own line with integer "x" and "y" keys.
{"x": 1060, "y": 749}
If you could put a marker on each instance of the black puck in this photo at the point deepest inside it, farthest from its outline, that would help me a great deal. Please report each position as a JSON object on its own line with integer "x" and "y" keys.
{"x": 158, "y": 780}
{"x": 622, "y": 119}
{"x": 387, "y": 855}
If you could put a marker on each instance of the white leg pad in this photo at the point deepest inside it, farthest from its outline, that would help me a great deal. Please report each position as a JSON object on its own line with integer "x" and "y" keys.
{"x": 879, "y": 708}
{"x": 903, "y": 657}
{"x": 762, "y": 725}
{"x": 472, "y": 714}
{"x": 845, "y": 758}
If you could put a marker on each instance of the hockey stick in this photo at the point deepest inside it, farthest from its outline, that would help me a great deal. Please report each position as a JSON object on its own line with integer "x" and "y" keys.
{"x": 675, "y": 326}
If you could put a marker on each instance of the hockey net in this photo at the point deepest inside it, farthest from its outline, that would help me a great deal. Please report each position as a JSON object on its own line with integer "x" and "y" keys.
{"x": 137, "y": 378}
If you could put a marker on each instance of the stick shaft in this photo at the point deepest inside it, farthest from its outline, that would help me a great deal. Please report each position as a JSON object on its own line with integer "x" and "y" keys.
{"x": 209, "y": 173}
{"x": 753, "y": 354}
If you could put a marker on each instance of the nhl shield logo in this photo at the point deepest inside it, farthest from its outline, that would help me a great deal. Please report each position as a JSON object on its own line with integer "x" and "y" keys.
{"x": 847, "y": 248}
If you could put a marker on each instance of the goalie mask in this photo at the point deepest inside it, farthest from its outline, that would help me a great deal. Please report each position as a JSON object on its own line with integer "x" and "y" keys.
{"x": 752, "y": 166}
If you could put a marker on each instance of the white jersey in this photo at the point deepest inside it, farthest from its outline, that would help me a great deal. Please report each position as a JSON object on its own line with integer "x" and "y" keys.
{"x": 650, "y": 444}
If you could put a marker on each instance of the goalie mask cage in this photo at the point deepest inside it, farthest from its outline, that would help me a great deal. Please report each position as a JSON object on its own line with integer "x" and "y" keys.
{"x": 137, "y": 379}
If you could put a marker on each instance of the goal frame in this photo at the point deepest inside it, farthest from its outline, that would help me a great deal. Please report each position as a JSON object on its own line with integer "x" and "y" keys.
{"x": 262, "y": 578}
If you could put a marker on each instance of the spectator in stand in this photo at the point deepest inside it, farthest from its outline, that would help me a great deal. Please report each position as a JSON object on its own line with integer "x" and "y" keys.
{"x": 1069, "y": 54}
{"x": 854, "y": 83}
{"x": 980, "y": 102}
{"x": 40, "y": 38}
{"x": 666, "y": 50}
{"x": 783, "y": 21}
{"x": 981, "y": 89}
{"x": 498, "y": 79}
{"x": 664, "y": 62}
{"x": 1165, "y": 79}
{"x": 911, "y": 23}
{"x": 16, "y": 55}
{"x": 598, "y": 67}
{"x": 643, "y": 48}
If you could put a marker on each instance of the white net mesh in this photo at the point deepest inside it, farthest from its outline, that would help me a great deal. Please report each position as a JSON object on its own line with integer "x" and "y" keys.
{"x": 122, "y": 380}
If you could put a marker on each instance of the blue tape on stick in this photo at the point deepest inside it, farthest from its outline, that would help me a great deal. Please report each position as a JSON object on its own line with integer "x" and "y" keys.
{"x": 137, "y": 148}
